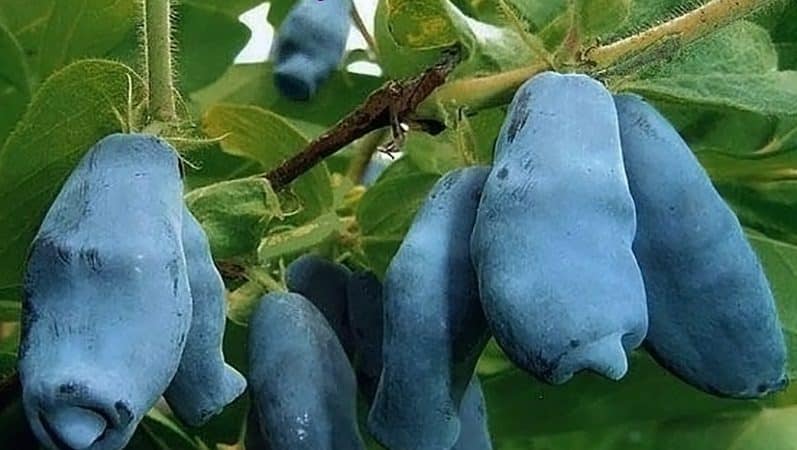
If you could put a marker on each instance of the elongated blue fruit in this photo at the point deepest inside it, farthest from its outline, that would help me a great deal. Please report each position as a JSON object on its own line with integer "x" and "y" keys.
{"x": 364, "y": 294}
{"x": 310, "y": 45}
{"x": 434, "y": 328}
{"x": 374, "y": 169}
{"x": 560, "y": 286}
{"x": 365, "y": 316}
{"x": 107, "y": 303}
{"x": 713, "y": 320}
{"x": 323, "y": 282}
{"x": 302, "y": 385}
{"x": 204, "y": 384}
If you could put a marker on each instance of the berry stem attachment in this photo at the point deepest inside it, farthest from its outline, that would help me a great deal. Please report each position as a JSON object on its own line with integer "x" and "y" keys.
{"x": 480, "y": 92}
{"x": 158, "y": 58}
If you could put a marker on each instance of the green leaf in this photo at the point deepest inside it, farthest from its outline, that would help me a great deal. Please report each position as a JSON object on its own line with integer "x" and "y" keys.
{"x": 732, "y": 168}
{"x": 278, "y": 10}
{"x": 60, "y": 32}
{"x": 10, "y": 294}
{"x": 209, "y": 40}
{"x": 421, "y": 24}
{"x": 735, "y": 134}
{"x": 14, "y": 70}
{"x": 734, "y": 69}
{"x": 493, "y": 361}
{"x": 210, "y": 164}
{"x": 742, "y": 47}
{"x": 83, "y": 28}
{"x": 252, "y": 84}
{"x": 492, "y": 48}
{"x": 539, "y": 13}
{"x": 10, "y": 310}
{"x": 225, "y": 428}
{"x": 72, "y": 110}
{"x": 231, "y": 8}
{"x": 8, "y": 364}
{"x": 159, "y": 432}
{"x": 398, "y": 61}
{"x": 525, "y": 413}
{"x": 57, "y": 32}
{"x": 766, "y": 206}
{"x": 780, "y": 263}
{"x": 14, "y": 82}
{"x": 599, "y": 17}
{"x": 431, "y": 25}
{"x": 486, "y": 124}
{"x": 442, "y": 153}
{"x": 646, "y": 13}
{"x": 761, "y": 189}
{"x": 763, "y": 429}
{"x": 432, "y": 154}
{"x": 269, "y": 139}
{"x": 203, "y": 56}
{"x": 536, "y": 13}
{"x": 301, "y": 238}
{"x": 387, "y": 209}
{"x": 771, "y": 93}
{"x": 234, "y": 214}
{"x": 784, "y": 33}
{"x": 27, "y": 23}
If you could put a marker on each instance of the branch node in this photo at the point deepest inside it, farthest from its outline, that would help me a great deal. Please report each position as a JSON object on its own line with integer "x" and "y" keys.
{"x": 394, "y": 101}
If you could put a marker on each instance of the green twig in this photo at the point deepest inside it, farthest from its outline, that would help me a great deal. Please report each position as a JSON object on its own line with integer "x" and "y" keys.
{"x": 158, "y": 57}
{"x": 360, "y": 24}
{"x": 686, "y": 28}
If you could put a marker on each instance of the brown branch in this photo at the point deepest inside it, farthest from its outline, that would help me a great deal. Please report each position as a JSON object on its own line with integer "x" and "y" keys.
{"x": 396, "y": 100}
{"x": 231, "y": 270}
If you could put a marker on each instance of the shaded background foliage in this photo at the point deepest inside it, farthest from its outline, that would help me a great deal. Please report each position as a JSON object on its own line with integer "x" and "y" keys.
{"x": 69, "y": 75}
